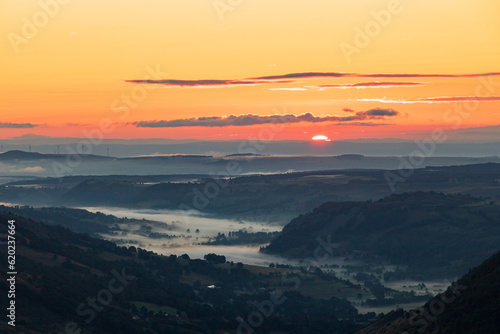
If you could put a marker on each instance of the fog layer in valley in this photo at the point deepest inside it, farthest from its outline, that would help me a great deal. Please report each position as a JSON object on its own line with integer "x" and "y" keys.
{"x": 183, "y": 226}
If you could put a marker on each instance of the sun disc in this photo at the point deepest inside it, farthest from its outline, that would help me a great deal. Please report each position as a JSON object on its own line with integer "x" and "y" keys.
{"x": 321, "y": 138}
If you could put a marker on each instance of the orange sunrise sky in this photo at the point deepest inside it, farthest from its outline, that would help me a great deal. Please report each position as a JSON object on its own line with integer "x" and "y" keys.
{"x": 223, "y": 69}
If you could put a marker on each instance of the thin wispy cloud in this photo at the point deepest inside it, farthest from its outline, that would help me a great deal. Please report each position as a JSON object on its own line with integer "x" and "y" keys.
{"x": 76, "y": 124}
{"x": 365, "y": 85}
{"x": 442, "y": 99}
{"x": 372, "y": 75}
{"x": 416, "y": 75}
{"x": 4, "y": 125}
{"x": 250, "y": 119}
{"x": 363, "y": 124}
{"x": 303, "y": 75}
{"x": 289, "y": 89}
{"x": 292, "y": 77}
{"x": 463, "y": 99}
{"x": 206, "y": 83}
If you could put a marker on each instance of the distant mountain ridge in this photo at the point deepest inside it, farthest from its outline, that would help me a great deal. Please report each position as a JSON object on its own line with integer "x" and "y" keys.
{"x": 27, "y": 156}
{"x": 469, "y": 143}
{"x": 271, "y": 197}
{"x": 104, "y": 160}
{"x": 18, "y": 154}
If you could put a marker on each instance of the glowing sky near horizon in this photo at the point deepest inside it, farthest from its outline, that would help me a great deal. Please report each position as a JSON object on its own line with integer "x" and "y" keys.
{"x": 169, "y": 64}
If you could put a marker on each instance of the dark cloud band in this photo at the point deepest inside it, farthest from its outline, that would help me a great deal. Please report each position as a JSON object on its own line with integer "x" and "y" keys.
{"x": 205, "y": 83}
{"x": 372, "y": 84}
{"x": 17, "y": 125}
{"x": 381, "y": 75}
{"x": 291, "y": 77}
{"x": 250, "y": 119}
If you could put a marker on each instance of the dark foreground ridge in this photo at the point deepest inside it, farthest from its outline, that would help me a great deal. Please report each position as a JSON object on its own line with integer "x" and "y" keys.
{"x": 471, "y": 306}
{"x": 73, "y": 283}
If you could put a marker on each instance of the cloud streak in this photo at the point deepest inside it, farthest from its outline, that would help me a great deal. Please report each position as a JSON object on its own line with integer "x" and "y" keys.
{"x": 17, "y": 125}
{"x": 206, "y": 83}
{"x": 376, "y": 84}
{"x": 250, "y": 119}
{"x": 441, "y": 99}
{"x": 293, "y": 77}
{"x": 372, "y": 75}
{"x": 297, "y": 89}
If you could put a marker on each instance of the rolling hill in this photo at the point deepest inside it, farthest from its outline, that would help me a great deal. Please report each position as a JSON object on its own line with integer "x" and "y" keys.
{"x": 433, "y": 234}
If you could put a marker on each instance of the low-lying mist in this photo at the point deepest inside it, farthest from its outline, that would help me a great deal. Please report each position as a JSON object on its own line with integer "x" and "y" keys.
{"x": 182, "y": 232}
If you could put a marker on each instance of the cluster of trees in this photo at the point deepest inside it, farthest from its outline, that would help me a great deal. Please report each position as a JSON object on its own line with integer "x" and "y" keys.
{"x": 61, "y": 260}
{"x": 214, "y": 258}
{"x": 242, "y": 238}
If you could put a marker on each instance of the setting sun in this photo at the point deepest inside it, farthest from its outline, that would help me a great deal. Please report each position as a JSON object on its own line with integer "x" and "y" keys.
{"x": 321, "y": 138}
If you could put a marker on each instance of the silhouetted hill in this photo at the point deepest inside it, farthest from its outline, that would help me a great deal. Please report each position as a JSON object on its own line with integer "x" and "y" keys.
{"x": 77, "y": 220}
{"x": 471, "y": 306}
{"x": 435, "y": 235}
{"x": 97, "y": 162}
{"x": 29, "y": 156}
{"x": 22, "y": 155}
